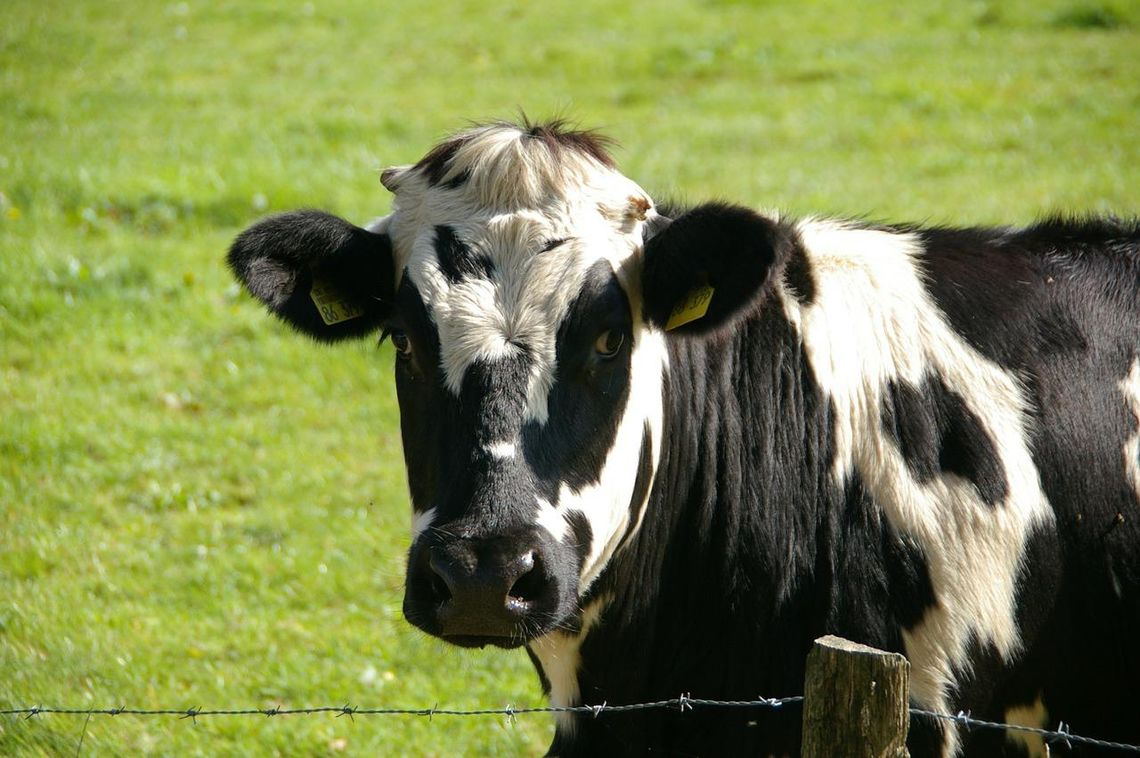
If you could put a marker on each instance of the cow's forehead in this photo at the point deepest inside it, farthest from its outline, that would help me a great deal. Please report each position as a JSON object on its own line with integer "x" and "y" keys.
{"x": 498, "y": 239}
{"x": 523, "y": 185}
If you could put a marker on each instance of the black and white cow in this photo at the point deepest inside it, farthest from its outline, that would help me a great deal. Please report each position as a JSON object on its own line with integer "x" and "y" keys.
{"x": 666, "y": 451}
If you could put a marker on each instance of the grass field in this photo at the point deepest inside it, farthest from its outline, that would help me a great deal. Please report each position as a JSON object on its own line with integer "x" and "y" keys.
{"x": 200, "y": 509}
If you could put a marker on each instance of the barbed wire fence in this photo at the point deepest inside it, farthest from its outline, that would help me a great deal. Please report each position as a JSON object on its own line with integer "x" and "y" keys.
{"x": 874, "y": 683}
{"x": 1061, "y": 736}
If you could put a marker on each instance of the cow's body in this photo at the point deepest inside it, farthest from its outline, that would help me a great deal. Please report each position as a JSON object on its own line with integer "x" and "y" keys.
{"x": 926, "y": 440}
{"x": 725, "y": 595}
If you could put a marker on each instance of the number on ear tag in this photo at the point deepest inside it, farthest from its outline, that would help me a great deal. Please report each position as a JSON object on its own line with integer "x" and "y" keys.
{"x": 331, "y": 304}
{"x": 694, "y": 306}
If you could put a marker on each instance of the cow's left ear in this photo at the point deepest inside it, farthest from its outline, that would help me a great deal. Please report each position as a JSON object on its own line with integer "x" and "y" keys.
{"x": 320, "y": 274}
{"x": 709, "y": 265}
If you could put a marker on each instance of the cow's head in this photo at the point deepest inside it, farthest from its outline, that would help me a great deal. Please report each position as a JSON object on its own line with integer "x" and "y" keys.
{"x": 526, "y": 285}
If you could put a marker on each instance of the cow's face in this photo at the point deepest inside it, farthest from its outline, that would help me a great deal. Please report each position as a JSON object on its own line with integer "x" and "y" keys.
{"x": 512, "y": 279}
{"x": 519, "y": 342}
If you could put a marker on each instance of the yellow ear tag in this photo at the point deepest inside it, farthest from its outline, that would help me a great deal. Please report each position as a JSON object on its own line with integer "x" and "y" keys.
{"x": 694, "y": 306}
{"x": 332, "y": 305}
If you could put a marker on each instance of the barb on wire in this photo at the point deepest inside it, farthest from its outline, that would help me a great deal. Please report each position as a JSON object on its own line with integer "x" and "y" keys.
{"x": 1063, "y": 736}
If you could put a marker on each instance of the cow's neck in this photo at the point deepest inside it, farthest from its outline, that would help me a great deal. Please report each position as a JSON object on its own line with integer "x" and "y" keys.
{"x": 743, "y": 478}
{"x": 744, "y": 430}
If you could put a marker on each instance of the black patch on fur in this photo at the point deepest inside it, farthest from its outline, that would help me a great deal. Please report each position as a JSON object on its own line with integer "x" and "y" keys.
{"x": 1017, "y": 295}
{"x": 798, "y": 276}
{"x": 984, "y": 285}
{"x": 431, "y": 445}
{"x": 732, "y": 249}
{"x": 936, "y": 432}
{"x": 1059, "y": 332}
{"x": 1089, "y": 235}
{"x": 589, "y": 394}
{"x": 909, "y": 419}
{"x": 456, "y": 259}
{"x": 908, "y": 575}
{"x": 278, "y": 259}
{"x": 434, "y": 165}
{"x": 641, "y": 484}
{"x": 583, "y": 535}
{"x": 458, "y": 180}
{"x": 493, "y": 398}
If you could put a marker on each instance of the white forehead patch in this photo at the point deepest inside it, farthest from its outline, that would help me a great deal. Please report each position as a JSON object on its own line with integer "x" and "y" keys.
{"x": 595, "y": 213}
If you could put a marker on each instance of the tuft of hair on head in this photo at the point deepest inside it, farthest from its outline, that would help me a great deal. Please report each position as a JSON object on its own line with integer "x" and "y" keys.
{"x": 556, "y": 135}
{"x": 559, "y": 133}
{"x": 510, "y": 165}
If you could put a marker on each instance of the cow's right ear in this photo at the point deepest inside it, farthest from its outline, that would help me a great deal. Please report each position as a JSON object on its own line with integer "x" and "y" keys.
{"x": 320, "y": 274}
{"x": 709, "y": 266}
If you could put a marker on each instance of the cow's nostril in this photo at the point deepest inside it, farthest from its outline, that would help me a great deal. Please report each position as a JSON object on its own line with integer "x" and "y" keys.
{"x": 439, "y": 589}
{"x": 528, "y": 586}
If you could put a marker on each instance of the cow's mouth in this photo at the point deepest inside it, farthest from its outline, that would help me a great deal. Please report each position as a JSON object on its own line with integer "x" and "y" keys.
{"x": 481, "y": 641}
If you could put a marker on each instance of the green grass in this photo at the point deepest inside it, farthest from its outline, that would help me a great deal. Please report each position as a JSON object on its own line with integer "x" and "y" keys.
{"x": 199, "y": 509}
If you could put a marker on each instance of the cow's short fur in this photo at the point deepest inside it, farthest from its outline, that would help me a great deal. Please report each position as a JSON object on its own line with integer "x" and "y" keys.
{"x": 923, "y": 439}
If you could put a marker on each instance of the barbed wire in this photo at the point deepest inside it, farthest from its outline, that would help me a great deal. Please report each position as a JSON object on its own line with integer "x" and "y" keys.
{"x": 683, "y": 703}
{"x": 1061, "y": 736}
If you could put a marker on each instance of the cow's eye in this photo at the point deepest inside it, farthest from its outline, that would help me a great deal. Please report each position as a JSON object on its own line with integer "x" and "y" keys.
{"x": 402, "y": 344}
{"x": 608, "y": 343}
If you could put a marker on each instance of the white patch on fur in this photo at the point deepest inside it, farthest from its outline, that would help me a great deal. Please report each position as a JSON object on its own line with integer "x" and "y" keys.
{"x": 518, "y": 197}
{"x": 1035, "y": 716}
{"x": 421, "y": 520}
{"x": 606, "y": 505}
{"x": 873, "y": 322}
{"x": 552, "y": 519}
{"x": 1130, "y": 386}
{"x": 558, "y": 652}
{"x": 502, "y": 450}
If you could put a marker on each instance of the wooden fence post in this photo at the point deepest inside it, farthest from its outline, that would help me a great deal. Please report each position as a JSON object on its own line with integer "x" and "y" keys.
{"x": 856, "y": 701}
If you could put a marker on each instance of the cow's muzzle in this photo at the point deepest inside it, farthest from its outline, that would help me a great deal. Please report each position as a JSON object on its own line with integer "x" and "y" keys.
{"x": 477, "y": 591}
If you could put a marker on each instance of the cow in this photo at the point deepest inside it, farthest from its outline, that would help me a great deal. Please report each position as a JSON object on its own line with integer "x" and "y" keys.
{"x": 664, "y": 449}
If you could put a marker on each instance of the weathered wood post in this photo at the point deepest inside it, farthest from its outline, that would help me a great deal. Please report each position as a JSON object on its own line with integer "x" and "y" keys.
{"x": 856, "y": 701}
